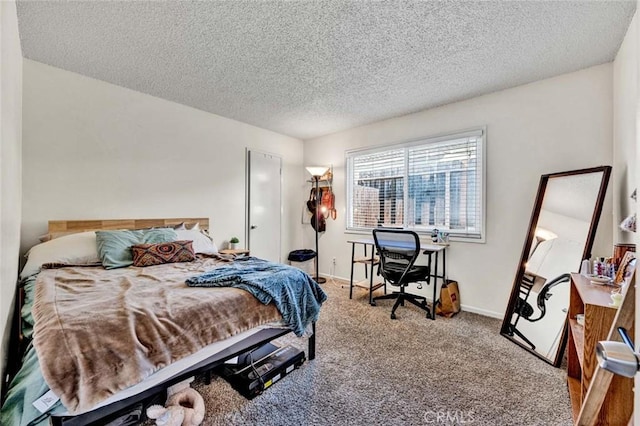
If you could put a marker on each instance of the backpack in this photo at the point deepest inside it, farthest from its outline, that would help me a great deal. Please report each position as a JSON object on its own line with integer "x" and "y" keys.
{"x": 318, "y": 221}
{"x": 329, "y": 203}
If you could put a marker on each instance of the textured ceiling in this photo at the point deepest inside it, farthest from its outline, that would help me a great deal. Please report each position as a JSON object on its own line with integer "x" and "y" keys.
{"x": 311, "y": 68}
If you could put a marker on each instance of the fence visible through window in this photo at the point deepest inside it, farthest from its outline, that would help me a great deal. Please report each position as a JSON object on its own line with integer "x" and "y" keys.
{"x": 423, "y": 185}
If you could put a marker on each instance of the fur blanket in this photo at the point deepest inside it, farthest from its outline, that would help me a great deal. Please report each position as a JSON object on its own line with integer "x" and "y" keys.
{"x": 100, "y": 331}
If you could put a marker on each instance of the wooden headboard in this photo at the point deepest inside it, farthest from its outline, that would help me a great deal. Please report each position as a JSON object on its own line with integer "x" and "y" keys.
{"x": 97, "y": 225}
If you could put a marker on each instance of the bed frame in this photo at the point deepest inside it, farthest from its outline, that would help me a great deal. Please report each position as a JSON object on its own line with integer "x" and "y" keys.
{"x": 157, "y": 394}
{"x": 113, "y": 224}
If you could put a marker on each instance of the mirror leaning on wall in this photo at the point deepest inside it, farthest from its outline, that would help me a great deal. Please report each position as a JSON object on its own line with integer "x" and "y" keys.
{"x": 560, "y": 235}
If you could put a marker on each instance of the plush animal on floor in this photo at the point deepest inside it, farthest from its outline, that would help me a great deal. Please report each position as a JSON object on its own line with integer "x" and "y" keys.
{"x": 170, "y": 416}
{"x": 184, "y": 407}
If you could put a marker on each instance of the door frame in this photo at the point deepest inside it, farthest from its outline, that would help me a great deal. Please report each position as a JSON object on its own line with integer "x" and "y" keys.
{"x": 247, "y": 209}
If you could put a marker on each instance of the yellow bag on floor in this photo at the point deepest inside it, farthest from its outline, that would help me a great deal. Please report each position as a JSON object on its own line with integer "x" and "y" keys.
{"x": 449, "y": 303}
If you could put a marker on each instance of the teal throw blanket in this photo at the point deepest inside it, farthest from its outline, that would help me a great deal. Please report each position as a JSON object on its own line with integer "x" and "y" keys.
{"x": 296, "y": 295}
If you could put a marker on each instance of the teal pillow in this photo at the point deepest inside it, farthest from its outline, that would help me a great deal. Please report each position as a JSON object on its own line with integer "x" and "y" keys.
{"x": 114, "y": 247}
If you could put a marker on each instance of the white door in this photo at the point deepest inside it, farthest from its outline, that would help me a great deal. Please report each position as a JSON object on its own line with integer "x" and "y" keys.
{"x": 264, "y": 204}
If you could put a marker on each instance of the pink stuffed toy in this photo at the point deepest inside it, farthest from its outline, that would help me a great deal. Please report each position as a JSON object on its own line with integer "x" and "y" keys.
{"x": 184, "y": 407}
{"x": 170, "y": 416}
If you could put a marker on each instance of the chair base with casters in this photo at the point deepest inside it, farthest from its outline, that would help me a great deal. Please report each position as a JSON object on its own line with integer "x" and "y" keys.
{"x": 525, "y": 311}
{"x": 514, "y": 331}
{"x": 398, "y": 250}
{"x": 401, "y": 297}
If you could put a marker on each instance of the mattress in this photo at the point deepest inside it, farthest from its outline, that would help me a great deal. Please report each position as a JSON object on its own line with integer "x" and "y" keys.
{"x": 30, "y": 384}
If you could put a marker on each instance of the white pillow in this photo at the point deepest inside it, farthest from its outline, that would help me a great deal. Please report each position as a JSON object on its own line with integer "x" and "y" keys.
{"x": 201, "y": 242}
{"x": 78, "y": 248}
{"x": 183, "y": 225}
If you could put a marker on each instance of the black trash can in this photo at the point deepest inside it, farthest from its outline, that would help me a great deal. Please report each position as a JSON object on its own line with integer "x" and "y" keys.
{"x": 303, "y": 259}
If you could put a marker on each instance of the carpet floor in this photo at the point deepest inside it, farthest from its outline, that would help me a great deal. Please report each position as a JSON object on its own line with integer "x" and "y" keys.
{"x": 370, "y": 369}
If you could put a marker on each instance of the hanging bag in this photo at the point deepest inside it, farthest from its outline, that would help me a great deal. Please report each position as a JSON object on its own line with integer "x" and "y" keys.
{"x": 329, "y": 203}
{"x": 311, "y": 202}
{"x": 318, "y": 221}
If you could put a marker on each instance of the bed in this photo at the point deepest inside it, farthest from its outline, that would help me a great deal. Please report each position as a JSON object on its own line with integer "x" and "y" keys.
{"x": 121, "y": 336}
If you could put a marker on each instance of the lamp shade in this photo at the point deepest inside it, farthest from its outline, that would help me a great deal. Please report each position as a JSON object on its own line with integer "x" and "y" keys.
{"x": 544, "y": 234}
{"x": 317, "y": 170}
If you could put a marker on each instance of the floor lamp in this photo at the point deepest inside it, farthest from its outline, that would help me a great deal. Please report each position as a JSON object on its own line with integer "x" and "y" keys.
{"x": 317, "y": 172}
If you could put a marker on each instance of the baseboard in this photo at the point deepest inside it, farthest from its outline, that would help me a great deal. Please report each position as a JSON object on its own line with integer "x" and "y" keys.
{"x": 466, "y": 308}
{"x": 328, "y": 276}
{"x": 483, "y": 312}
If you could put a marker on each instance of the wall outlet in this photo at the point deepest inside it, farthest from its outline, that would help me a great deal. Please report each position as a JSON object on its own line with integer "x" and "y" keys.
{"x": 333, "y": 261}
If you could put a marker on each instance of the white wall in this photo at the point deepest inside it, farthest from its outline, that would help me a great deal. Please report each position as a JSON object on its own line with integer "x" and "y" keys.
{"x": 558, "y": 124}
{"x": 635, "y": 79}
{"x": 625, "y": 98}
{"x": 626, "y": 73}
{"x": 96, "y": 150}
{"x": 10, "y": 166}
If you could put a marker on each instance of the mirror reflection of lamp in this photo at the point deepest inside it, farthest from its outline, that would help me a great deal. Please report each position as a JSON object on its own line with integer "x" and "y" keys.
{"x": 539, "y": 236}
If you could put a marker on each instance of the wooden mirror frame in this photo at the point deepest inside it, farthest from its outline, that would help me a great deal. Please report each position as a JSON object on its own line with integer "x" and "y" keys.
{"x": 586, "y": 254}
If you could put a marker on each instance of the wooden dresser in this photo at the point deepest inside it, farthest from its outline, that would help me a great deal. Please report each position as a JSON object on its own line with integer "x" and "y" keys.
{"x": 593, "y": 301}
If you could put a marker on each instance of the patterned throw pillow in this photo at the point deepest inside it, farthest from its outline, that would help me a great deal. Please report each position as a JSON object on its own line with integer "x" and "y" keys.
{"x": 157, "y": 254}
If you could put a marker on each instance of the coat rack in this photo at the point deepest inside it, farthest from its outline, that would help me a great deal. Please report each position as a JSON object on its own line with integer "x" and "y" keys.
{"x": 317, "y": 172}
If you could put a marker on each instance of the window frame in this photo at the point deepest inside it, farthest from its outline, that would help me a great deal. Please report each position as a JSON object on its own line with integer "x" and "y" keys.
{"x": 481, "y": 149}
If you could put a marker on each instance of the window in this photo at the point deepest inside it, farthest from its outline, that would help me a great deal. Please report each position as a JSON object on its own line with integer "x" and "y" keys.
{"x": 434, "y": 183}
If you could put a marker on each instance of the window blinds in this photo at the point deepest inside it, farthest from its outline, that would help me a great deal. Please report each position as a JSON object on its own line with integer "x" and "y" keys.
{"x": 434, "y": 183}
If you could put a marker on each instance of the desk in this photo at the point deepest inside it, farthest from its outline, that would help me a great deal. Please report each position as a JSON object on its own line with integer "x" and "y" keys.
{"x": 428, "y": 249}
{"x": 369, "y": 262}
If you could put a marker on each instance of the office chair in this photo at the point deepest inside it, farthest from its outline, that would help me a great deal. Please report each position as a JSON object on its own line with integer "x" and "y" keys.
{"x": 398, "y": 250}
{"x": 524, "y": 310}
